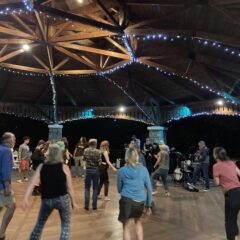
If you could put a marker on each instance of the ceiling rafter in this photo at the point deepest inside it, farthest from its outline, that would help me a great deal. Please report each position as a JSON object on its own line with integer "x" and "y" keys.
{"x": 23, "y": 24}
{"x": 74, "y": 56}
{"x": 94, "y": 50}
{"x": 81, "y": 36}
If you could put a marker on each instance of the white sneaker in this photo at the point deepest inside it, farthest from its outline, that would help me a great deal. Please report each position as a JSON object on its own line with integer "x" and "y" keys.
{"x": 19, "y": 181}
{"x": 107, "y": 199}
{"x": 25, "y": 179}
{"x": 154, "y": 192}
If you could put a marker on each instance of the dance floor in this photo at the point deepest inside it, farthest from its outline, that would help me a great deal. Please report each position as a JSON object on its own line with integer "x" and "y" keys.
{"x": 185, "y": 215}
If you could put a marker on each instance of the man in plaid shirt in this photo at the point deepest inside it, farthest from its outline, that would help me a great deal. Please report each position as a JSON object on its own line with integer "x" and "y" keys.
{"x": 93, "y": 159}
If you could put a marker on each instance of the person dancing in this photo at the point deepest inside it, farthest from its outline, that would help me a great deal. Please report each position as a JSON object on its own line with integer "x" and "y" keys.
{"x": 226, "y": 173}
{"x": 56, "y": 187}
{"x": 131, "y": 181}
{"x": 162, "y": 170}
{"x": 103, "y": 169}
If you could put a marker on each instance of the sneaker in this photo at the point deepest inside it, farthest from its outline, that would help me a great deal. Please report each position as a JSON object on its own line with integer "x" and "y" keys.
{"x": 107, "y": 199}
{"x": 19, "y": 181}
{"x": 86, "y": 208}
{"x": 94, "y": 208}
{"x": 154, "y": 192}
{"x": 191, "y": 185}
{"x": 25, "y": 179}
{"x": 205, "y": 189}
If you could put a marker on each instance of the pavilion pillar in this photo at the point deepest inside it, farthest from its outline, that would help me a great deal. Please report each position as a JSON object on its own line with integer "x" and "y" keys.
{"x": 55, "y": 132}
{"x": 157, "y": 134}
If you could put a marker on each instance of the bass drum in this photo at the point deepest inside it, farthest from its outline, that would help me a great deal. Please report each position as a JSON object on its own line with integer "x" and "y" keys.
{"x": 178, "y": 175}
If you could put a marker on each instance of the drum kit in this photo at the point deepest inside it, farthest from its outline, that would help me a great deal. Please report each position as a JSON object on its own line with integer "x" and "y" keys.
{"x": 184, "y": 171}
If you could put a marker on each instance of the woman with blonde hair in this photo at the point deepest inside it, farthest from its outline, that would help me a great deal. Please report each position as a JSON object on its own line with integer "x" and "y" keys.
{"x": 162, "y": 171}
{"x": 56, "y": 187}
{"x": 103, "y": 169}
{"x": 131, "y": 181}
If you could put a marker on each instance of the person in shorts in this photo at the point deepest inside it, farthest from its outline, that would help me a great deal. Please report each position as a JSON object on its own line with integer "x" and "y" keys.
{"x": 24, "y": 155}
{"x": 131, "y": 181}
{"x": 6, "y": 194}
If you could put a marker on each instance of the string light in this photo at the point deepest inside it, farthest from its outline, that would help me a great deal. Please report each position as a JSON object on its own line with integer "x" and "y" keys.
{"x": 228, "y": 98}
{"x": 203, "y": 114}
{"x": 129, "y": 96}
{"x": 128, "y": 47}
{"x": 54, "y": 98}
{"x": 202, "y": 41}
{"x": 105, "y": 117}
{"x": 28, "y": 5}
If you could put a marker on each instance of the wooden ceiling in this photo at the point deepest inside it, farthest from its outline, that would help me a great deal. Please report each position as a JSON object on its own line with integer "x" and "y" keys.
{"x": 85, "y": 37}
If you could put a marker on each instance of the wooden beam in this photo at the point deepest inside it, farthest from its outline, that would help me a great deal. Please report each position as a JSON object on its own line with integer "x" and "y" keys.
{"x": 50, "y": 57}
{"x": 76, "y": 18}
{"x": 11, "y": 55}
{"x": 117, "y": 45}
{"x": 94, "y": 50}
{"x": 64, "y": 61}
{"x": 81, "y": 36}
{"x": 16, "y": 33}
{"x": 117, "y": 64}
{"x": 107, "y": 13}
{"x": 74, "y": 72}
{"x": 15, "y": 41}
{"x": 106, "y": 61}
{"x": 61, "y": 29}
{"x": 74, "y": 56}
{"x": 157, "y": 65}
{"x": 3, "y": 49}
{"x": 40, "y": 25}
{"x": 23, "y": 68}
{"x": 23, "y": 24}
{"x": 40, "y": 61}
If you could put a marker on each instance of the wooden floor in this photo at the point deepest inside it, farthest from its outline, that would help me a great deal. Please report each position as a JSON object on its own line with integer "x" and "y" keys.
{"x": 185, "y": 215}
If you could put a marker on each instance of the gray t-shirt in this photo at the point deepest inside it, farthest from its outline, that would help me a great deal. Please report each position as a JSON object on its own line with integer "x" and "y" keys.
{"x": 24, "y": 153}
{"x": 164, "y": 160}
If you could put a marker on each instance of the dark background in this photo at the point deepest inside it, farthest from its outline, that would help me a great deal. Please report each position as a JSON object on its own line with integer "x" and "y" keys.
{"x": 215, "y": 130}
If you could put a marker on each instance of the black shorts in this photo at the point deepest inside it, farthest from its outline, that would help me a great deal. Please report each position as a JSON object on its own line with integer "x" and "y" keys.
{"x": 129, "y": 209}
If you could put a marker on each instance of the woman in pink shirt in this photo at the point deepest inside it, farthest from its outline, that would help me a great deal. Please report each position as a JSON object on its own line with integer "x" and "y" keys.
{"x": 226, "y": 174}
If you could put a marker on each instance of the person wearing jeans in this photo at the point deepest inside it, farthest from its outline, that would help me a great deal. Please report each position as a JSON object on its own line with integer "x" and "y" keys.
{"x": 56, "y": 187}
{"x": 92, "y": 175}
{"x": 203, "y": 160}
{"x": 162, "y": 170}
{"x": 226, "y": 174}
{"x": 204, "y": 167}
{"x": 93, "y": 159}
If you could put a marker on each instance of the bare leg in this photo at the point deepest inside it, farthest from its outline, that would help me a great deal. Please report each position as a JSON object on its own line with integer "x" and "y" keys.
{"x": 139, "y": 229}
{"x": 126, "y": 230}
{"x": 7, "y": 218}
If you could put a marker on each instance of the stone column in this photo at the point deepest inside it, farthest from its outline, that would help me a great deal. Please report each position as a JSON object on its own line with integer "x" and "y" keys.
{"x": 157, "y": 134}
{"x": 55, "y": 132}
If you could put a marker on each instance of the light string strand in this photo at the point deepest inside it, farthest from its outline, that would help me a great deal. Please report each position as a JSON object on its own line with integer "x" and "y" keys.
{"x": 129, "y": 96}
{"x": 54, "y": 98}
